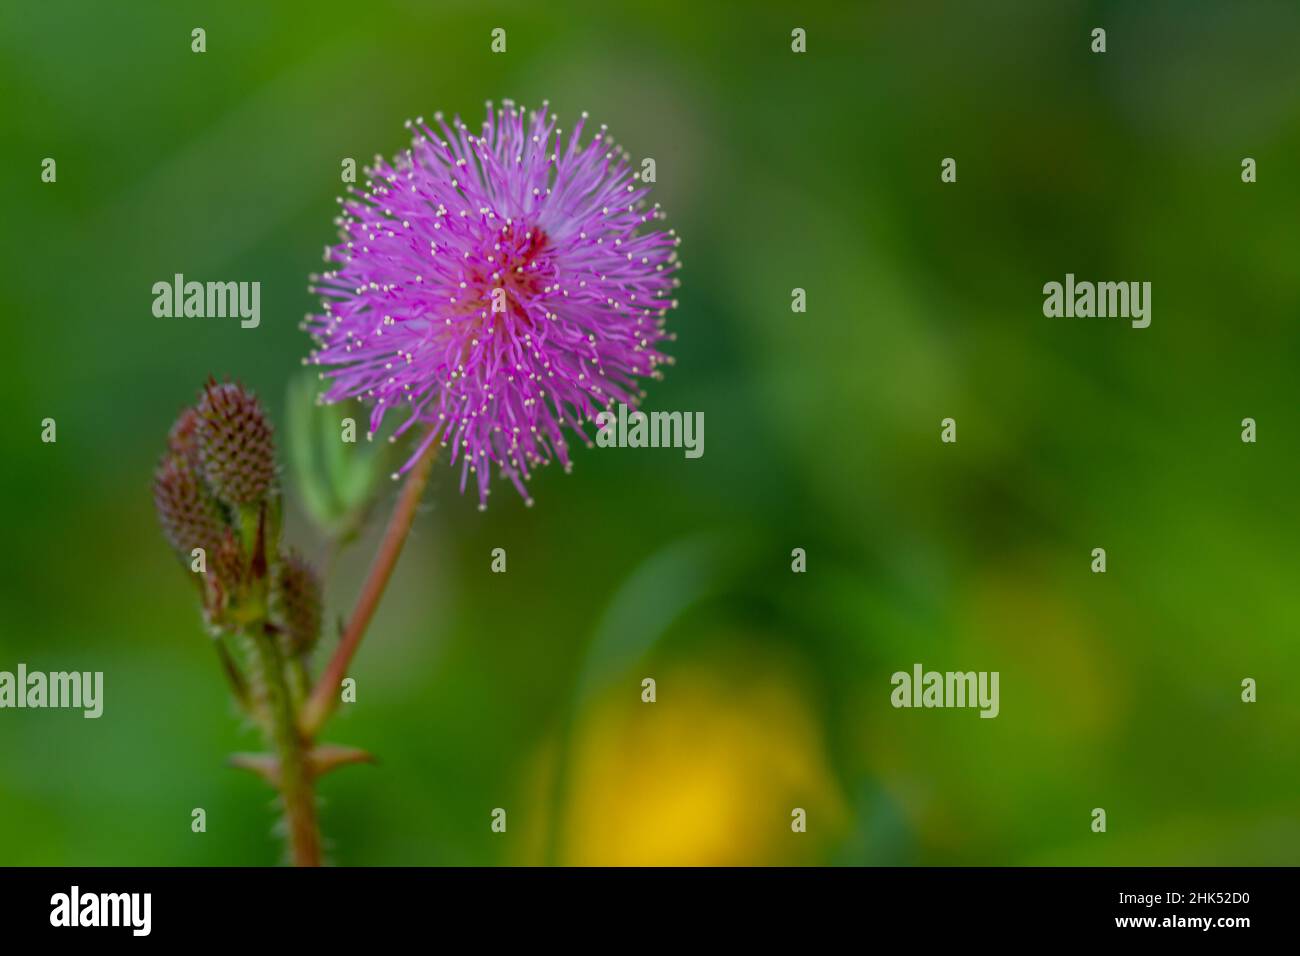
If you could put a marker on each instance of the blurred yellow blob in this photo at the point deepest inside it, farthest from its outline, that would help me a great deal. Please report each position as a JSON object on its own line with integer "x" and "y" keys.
{"x": 709, "y": 774}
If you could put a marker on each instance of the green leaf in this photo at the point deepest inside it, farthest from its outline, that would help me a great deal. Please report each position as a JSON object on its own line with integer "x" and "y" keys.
{"x": 312, "y": 487}
{"x": 338, "y": 480}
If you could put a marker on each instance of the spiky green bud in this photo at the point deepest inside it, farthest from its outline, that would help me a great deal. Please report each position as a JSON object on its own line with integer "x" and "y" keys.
{"x": 235, "y": 444}
{"x": 183, "y": 439}
{"x": 189, "y": 516}
{"x": 298, "y": 603}
{"x": 228, "y": 562}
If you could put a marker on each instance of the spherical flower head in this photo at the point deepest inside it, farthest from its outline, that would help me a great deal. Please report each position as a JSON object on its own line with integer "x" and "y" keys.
{"x": 496, "y": 288}
{"x": 235, "y": 445}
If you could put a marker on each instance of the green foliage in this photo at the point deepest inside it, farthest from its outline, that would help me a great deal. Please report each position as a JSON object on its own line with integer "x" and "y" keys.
{"x": 337, "y": 480}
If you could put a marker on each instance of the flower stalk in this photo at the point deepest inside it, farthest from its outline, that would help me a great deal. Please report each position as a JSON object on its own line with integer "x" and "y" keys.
{"x": 294, "y": 774}
{"x": 325, "y": 696}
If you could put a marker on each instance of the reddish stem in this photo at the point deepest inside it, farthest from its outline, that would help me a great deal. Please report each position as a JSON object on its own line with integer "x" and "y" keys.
{"x": 325, "y": 695}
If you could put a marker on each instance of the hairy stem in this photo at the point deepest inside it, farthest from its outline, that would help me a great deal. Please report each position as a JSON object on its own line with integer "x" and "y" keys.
{"x": 325, "y": 696}
{"x": 296, "y": 782}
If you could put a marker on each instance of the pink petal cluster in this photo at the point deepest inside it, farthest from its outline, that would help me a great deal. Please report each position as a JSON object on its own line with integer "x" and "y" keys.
{"x": 496, "y": 288}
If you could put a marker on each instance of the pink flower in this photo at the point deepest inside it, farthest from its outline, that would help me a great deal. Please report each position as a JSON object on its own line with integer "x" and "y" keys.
{"x": 496, "y": 288}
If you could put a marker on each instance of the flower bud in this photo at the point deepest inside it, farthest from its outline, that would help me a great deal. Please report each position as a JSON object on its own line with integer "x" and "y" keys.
{"x": 228, "y": 563}
{"x": 189, "y": 517}
{"x": 298, "y": 603}
{"x": 183, "y": 439}
{"x": 234, "y": 444}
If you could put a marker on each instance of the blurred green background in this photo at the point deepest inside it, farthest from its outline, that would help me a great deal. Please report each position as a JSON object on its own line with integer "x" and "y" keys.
{"x": 818, "y": 171}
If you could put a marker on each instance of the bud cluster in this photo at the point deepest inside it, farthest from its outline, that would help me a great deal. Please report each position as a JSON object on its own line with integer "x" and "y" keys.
{"x": 218, "y": 501}
{"x": 217, "y": 494}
